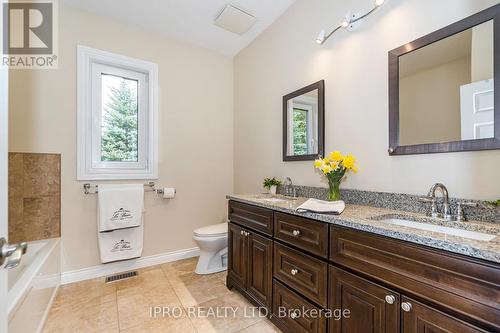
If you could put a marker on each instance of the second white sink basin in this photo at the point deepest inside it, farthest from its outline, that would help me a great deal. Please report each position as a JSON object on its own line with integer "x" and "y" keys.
{"x": 438, "y": 228}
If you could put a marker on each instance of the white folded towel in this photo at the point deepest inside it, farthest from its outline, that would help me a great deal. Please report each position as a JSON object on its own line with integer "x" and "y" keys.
{"x": 120, "y": 244}
{"x": 322, "y": 207}
{"x": 120, "y": 206}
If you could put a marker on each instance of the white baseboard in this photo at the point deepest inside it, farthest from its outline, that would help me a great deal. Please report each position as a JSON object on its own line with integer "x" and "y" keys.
{"x": 123, "y": 266}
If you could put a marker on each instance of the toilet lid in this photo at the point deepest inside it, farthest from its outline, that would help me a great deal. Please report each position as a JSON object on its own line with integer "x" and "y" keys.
{"x": 219, "y": 229}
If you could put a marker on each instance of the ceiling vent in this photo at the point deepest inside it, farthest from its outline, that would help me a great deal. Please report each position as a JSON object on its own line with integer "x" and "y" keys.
{"x": 235, "y": 20}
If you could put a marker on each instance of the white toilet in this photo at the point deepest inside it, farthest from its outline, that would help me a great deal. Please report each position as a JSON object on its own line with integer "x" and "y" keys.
{"x": 212, "y": 241}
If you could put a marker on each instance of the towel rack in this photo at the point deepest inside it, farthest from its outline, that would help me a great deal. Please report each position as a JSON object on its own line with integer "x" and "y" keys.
{"x": 93, "y": 188}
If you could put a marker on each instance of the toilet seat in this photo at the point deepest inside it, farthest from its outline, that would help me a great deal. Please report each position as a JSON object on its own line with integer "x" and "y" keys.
{"x": 215, "y": 230}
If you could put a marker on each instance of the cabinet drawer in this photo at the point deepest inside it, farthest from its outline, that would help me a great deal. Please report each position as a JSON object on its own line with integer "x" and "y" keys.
{"x": 288, "y": 308}
{"x": 303, "y": 233}
{"x": 461, "y": 285}
{"x": 256, "y": 218}
{"x": 302, "y": 273}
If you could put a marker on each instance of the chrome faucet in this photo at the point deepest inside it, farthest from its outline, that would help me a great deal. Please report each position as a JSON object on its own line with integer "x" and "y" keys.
{"x": 431, "y": 197}
{"x": 289, "y": 189}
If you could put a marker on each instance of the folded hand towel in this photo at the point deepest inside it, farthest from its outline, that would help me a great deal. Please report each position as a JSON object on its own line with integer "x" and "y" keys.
{"x": 121, "y": 244}
{"x": 322, "y": 207}
{"x": 120, "y": 206}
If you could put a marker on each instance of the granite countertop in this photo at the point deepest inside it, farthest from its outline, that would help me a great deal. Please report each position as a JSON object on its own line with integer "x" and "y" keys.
{"x": 367, "y": 218}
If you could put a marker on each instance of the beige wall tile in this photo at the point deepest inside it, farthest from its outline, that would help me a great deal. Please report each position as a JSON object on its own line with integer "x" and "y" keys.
{"x": 34, "y": 196}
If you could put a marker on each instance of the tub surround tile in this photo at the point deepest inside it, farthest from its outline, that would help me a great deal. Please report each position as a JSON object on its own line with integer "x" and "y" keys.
{"x": 34, "y": 196}
{"x": 364, "y": 218}
{"x": 16, "y": 175}
{"x": 41, "y": 175}
{"x": 398, "y": 201}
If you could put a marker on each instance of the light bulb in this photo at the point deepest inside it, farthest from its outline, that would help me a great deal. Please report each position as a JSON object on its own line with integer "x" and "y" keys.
{"x": 345, "y": 23}
{"x": 379, "y": 3}
{"x": 321, "y": 37}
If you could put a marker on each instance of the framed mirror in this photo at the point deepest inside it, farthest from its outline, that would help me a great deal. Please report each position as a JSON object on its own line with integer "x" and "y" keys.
{"x": 304, "y": 123}
{"x": 443, "y": 89}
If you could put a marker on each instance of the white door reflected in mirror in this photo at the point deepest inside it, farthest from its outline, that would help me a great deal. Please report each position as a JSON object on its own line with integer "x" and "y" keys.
{"x": 446, "y": 89}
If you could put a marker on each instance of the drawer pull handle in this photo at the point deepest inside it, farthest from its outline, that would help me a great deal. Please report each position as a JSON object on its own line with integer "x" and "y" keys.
{"x": 296, "y": 233}
{"x": 294, "y": 271}
{"x": 406, "y": 306}
{"x": 390, "y": 299}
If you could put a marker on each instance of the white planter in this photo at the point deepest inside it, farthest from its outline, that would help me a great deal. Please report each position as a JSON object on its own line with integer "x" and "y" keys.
{"x": 273, "y": 189}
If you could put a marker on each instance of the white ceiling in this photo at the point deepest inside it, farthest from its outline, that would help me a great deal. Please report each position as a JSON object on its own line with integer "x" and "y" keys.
{"x": 190, "y": 21}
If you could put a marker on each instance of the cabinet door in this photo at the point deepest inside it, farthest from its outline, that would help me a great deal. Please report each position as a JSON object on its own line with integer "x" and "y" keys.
{"x": 420, "y": 318}
{"x": 237, "y": 255}
{"x": 260, "y": 261}
{"x": 373, "y": 308}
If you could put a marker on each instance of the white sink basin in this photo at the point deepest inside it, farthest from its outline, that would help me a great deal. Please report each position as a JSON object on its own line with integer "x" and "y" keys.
{"x": 438, "y": 228}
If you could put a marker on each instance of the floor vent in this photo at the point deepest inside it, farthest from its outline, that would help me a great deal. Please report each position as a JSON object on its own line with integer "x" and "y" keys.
{"x": 121, "y": 276}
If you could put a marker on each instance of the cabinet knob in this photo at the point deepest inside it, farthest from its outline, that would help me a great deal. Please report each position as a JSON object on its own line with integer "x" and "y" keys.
{"x": 242, "y": 233}
{"x": 294, "y": 271}
{"x": 247, "y": 233}
{"x": 406, "y": 306}
{"x": 390, "y": 299}
{"x": 296, "y": 233}
{"x": 294, "y": 315}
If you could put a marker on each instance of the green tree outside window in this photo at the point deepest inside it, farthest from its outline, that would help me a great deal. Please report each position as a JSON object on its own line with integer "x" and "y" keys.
{"x": 120, "y": 122}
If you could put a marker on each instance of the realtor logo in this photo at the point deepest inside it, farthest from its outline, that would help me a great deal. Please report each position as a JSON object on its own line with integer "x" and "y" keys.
{"x": 29, "y": 36}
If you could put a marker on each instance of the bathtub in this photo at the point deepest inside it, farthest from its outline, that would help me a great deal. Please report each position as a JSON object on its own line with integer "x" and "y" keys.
{"x": 33, "y": 286}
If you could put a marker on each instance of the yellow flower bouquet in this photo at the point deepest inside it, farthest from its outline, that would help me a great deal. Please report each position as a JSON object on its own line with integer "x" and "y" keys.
{"x": 335, "y": 167}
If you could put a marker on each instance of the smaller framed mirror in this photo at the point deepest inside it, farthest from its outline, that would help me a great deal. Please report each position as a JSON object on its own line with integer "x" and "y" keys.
{"x": 304, "y": 123}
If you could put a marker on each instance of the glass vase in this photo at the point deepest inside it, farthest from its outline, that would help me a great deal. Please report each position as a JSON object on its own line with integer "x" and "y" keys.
{"x": 334, "y": 189}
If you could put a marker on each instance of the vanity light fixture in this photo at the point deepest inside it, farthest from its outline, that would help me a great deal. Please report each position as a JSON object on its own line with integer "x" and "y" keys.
{"x": 347, "y": 23}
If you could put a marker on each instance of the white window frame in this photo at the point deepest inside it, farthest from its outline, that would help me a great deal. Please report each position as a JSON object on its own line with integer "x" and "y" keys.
{"x": 91, "y": 64}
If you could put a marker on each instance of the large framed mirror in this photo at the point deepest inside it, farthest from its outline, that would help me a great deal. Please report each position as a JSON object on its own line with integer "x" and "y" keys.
{"x": 304, "y": 123}
{"x": 443, "y": 89}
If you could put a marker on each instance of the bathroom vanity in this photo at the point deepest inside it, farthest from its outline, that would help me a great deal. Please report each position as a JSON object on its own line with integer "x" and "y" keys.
{"x": 392, "y": 278}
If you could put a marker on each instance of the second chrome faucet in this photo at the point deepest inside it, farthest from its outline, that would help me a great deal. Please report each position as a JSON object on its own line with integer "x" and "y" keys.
{"x": 446, "y": 213}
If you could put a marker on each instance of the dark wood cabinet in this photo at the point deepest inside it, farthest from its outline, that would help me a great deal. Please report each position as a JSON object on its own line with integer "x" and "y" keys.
{"x": 305, "y": 234}
{"x": 237, "y": 255}
{"x": 465, "y": 286}
{"x": 250, "y": 264}
{"x": 372, "y": 308}
{"x": 304, "y": 274}
{"x": 255, "y": 218}
{"x": 420, "y": 318}
{"x": 292, "y": 313}
{"x": 286, "y": 262}
{"x": 259, "y": 273}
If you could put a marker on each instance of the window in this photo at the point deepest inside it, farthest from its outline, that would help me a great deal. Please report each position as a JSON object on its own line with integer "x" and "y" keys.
{"x": 300, "y": 131}
{"x": 117, "y": 116}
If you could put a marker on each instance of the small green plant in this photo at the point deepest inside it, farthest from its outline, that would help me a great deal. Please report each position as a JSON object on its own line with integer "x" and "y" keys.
{"x": 493, "y": 203}
{"x": 268, "y": 182}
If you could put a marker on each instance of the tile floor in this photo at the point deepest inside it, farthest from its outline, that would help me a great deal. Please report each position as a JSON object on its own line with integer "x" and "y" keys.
{"x": 125, "y": 306}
